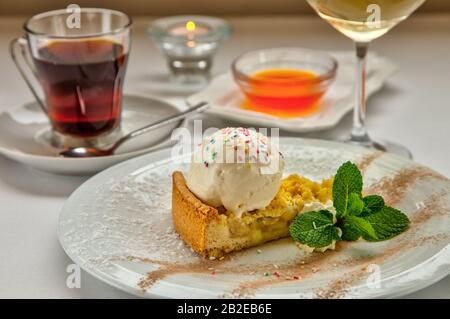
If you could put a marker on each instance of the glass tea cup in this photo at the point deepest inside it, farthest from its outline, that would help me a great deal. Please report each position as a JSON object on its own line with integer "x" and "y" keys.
{"x": 80, "y": 64}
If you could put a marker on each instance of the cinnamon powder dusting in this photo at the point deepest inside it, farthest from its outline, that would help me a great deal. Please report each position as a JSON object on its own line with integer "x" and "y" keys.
{"x": 393, "y": 189}
{"x": 432, "y": 207}
{"x": 170, "y": 268}
{"x": 367, "y": 160}
{"x": 305, "y": 268}
{"x": 341, "y": 287}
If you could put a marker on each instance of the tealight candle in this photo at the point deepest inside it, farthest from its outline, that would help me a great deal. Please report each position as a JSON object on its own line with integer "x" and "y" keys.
{"x": 189, "y": 43}
{"x": 190, "y": 29}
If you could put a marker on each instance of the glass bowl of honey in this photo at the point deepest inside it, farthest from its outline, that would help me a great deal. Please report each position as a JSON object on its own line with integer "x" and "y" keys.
{"x": 284, "y": 82}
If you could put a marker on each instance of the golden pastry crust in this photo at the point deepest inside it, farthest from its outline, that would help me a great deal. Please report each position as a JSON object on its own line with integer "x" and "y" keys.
{"x": 190, "y": 216}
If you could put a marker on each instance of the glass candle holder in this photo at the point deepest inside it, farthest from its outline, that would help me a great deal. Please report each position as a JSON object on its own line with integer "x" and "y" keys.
{"x": 189, "y": 44}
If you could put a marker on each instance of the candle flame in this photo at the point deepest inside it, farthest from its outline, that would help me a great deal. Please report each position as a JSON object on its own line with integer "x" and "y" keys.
{"x": 190, "y": 25}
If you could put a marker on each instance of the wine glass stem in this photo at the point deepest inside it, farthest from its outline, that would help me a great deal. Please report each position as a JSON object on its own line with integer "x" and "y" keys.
{"x": 359, "y": 133}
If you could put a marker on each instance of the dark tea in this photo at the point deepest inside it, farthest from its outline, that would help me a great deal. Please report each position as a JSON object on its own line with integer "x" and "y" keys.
{"x": 82, "y": 81}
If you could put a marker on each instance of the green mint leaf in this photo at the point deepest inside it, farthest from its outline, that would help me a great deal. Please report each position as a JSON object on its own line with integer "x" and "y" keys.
{"x": 349, "y": 232}
{"x": 348, "y": 180}
{"x": 363, "y": 226}
{"x": 372, "y": 204}
{"x": 387, "y": 223}
{"x": 314, "y": 229}
{"x": 356, "y": 216}
{"x": 355, "y": 204}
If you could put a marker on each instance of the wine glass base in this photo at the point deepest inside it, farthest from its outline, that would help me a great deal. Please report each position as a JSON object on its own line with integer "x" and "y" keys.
{"x": 382, "y": 145}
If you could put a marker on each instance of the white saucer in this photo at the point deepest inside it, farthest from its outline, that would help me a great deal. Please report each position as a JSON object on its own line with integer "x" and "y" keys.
{"x": 225, "y": 97}
{"x": 24, "y": 131}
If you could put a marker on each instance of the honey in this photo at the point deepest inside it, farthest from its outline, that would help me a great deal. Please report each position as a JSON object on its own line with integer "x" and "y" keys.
{"x": 284, "y": 92}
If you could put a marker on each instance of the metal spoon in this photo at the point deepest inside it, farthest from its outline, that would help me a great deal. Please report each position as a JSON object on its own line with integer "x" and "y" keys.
{"x": 92, "y": 151}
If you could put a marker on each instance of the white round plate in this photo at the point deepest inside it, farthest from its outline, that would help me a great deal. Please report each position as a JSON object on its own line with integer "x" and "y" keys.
{"x": 225, "y": 97}
{"x": 23, "y": 132}
{"x": 118, "y": 227}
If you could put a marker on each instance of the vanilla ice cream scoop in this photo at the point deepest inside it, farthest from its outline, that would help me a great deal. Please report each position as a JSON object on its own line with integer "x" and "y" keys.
{"x": 237, "y": 168}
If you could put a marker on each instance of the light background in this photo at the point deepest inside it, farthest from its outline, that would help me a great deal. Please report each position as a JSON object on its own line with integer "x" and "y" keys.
{"x": 168, "y": 7}
{"x": 412, "y": 110}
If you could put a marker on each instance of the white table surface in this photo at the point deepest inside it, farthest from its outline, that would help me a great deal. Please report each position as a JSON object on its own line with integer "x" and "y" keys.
{"x": 412, "y": 109}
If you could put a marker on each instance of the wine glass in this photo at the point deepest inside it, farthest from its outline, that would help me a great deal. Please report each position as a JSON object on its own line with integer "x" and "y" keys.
{"x": 364, "y": 21}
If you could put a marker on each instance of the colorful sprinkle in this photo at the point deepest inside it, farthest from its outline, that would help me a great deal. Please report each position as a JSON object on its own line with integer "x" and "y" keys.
{"x": 228, "y": 139}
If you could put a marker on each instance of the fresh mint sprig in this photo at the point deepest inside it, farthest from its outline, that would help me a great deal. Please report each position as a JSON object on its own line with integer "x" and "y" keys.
{"x": 356, "y": 216}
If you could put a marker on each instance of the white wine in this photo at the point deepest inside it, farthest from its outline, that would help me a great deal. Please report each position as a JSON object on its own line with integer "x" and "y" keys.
{"x": 364, "y": 20}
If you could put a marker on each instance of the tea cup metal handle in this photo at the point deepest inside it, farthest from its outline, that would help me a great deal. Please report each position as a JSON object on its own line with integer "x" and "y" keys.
{"x": 22, "y": 44}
